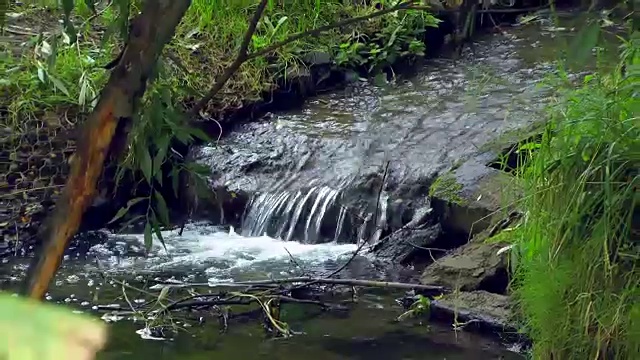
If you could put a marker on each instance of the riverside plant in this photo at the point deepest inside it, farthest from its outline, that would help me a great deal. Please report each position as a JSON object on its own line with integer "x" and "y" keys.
{"x": 577, "y": 279}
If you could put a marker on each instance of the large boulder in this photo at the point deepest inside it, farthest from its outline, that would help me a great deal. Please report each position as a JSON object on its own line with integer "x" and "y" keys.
{"x": 473, "y": 266}
{"x": 471, "y": 198}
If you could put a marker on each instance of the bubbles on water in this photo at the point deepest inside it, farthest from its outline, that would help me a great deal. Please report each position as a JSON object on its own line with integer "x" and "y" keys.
{"x": 218, "y": 255}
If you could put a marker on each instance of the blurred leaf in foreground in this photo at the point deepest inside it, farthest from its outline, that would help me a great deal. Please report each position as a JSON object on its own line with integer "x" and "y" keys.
{"x": 33, "y": 330}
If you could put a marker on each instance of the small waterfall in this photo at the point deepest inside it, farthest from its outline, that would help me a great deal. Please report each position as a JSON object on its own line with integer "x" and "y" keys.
{"x": 301, "y": 214}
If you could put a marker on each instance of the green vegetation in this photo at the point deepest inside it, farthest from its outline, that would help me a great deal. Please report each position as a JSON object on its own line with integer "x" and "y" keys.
{"x": 578, "y": 248}
{"x": 49, "y": 71}
{"x": 446, "y": 187}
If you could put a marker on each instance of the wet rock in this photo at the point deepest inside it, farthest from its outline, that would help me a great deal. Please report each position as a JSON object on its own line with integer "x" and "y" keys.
{"x": 317, "y": 58}
{"x": 473, "y": 266}
{"x": 404, "y": 244}
{"x": 479, "y": 309}
{"x": 469, "y": 198}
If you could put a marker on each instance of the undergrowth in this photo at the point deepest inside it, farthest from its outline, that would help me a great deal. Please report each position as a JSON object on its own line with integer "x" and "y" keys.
{"x": 578, "y": 249}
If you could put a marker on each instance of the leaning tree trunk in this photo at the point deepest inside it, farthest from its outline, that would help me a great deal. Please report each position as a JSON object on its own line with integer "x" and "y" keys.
{"x": 149, "y": 32}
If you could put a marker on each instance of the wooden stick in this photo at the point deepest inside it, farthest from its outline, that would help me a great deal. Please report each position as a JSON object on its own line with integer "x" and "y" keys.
{"x": 311, "y": 280}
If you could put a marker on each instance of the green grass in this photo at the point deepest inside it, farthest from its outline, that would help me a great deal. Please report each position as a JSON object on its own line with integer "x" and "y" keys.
{"x": 578, "y": 277}
{"x": 205, "y": 43}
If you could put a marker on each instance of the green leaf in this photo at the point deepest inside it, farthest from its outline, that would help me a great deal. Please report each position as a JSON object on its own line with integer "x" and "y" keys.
{"x": 199, "y": 134}
{"x": 59, "y": 85}
{"x": 163, "y": 293}
{"x": 42, "y": 75}
{"x": 162, "y": 207}
{"x": 200, "y": 169}
{"x": 123, "y": 211}
{"x": 51, "y": 59}
{"x": 148, "y": 238}
{"x": 156, "y": 230}
{"x": 182, "y": 135}
{"x": 144, "y": 160}
{"x": 38, "y": 331}
{"x": 163, "y": 147}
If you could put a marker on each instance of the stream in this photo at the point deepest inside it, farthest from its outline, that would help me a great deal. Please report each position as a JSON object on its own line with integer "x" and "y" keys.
{"x": 430, "y": 120}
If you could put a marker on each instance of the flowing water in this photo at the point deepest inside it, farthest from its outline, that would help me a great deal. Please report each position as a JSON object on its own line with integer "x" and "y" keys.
{"x": 295, "y": 224}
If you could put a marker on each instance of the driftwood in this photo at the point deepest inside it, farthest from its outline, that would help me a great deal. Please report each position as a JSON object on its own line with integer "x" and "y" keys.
{"x": 117, "y": 105}
{"x": 306, "y": 281}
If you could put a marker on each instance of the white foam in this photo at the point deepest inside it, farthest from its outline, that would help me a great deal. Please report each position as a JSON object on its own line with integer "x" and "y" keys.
{"x": 226, "y": 255}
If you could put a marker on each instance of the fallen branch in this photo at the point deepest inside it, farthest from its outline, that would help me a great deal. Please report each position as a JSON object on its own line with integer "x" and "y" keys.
{"x": 309, "y": 281}
{"x": 218, "y": 302}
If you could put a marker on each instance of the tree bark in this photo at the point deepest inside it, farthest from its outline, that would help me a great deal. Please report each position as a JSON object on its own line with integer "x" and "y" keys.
{"x": 149, "y": 32}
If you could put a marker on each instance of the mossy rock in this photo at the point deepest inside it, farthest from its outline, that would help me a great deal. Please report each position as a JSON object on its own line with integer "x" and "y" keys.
{"x": 471, "y": 198}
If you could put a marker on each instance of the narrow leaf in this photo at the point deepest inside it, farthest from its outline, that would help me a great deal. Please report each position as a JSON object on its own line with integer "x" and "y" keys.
{"x": 161, "y": 205}
{"x": 125, "y": 209}
{"x": 144, "y": 160}
{"x": 199, "y": 134}
{"x": 42, "y": 75}
{"x": 156, "y": 230}
{"x": 148, "y": 239}
{"x": 59, "y": 85}
{"x": 163, "y": 293}
{"x": 67, "y": 7}
{"x": 163, "y": 147}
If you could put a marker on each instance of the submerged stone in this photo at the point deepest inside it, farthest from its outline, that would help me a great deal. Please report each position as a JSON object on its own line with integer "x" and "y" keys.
{"x": 482, "y": 309}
